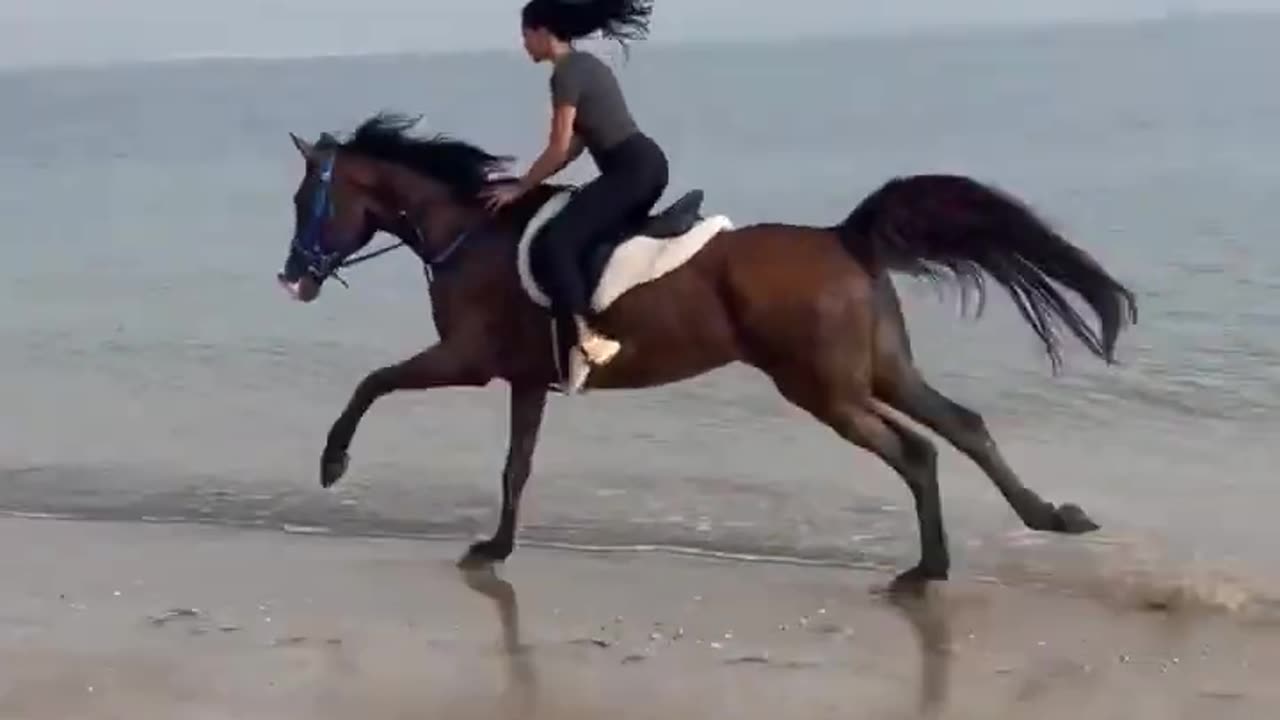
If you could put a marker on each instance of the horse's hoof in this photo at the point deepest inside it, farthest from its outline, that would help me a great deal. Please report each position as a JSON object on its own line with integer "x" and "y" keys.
{"x": 915, "y": 581}
{"x": 485, "y": 553}
{"x": 332, "y": 469}
{"x": 1069, "y": 519}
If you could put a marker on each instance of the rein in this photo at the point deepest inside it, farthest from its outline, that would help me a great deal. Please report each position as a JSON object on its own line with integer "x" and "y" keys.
{"x": 323, "y": 264}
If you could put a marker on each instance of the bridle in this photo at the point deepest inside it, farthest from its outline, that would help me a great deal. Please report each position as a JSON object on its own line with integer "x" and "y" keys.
{"x": 322, "y": 264}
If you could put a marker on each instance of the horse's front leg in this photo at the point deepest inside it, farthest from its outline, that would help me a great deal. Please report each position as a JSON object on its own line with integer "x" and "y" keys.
{"x": 527, "y": 404}
{"x": 441, "y": 365}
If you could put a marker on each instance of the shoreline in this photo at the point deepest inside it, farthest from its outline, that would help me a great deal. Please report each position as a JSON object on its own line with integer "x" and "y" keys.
{"x": 1124, "y": 572}
{"x": 108, "y": 619}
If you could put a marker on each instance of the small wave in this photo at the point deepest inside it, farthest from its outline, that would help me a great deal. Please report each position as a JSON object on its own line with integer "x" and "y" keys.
{"x": 703, "y": 552}
{"x": 1117, "y": 571}
{"x": 305, "y": 529}
{"x": 37, "y": 515}
{"x": 1132, "y": 573}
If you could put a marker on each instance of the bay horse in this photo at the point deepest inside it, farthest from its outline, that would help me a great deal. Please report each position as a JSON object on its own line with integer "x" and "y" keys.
{"x": 813, "y": 308}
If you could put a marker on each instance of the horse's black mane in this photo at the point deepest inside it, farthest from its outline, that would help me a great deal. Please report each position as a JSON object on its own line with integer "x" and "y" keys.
{"x": 465, "y": 168}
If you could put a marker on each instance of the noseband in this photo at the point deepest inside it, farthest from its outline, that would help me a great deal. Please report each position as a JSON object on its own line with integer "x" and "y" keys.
{"x": 322, "y": 264}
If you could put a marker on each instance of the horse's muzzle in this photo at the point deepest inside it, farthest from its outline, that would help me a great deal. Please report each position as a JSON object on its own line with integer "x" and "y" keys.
{"x": 296, "y": 277}
{"x": 304, "y": 289}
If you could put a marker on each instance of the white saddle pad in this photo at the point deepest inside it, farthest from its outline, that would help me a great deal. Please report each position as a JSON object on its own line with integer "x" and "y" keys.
{"x": 638, "y": 260}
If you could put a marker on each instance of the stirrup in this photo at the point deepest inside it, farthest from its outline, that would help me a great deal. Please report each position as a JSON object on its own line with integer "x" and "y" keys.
{"x": 576, "y": 380}
{"x": 579, "y": 371}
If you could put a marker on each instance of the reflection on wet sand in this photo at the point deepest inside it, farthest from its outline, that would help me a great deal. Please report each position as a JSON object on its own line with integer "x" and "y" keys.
{"x": 104, "y": 624}
{"x": 930, "y": 623}
{"x": 927, "y": 616}
{"x": 522, "y": 685}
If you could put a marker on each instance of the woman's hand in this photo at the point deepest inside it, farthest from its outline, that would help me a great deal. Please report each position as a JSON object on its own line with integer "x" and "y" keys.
{"x": 499, "y": 196}
{"x": 562, "y": 147}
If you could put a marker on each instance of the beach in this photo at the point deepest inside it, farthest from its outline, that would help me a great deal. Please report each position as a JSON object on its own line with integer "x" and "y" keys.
{"x": 107, "y": 620}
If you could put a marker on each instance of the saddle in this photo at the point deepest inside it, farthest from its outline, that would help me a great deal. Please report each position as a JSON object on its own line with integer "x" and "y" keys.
{"x": 671, "y": 222}
{"x": 641, "y": 253}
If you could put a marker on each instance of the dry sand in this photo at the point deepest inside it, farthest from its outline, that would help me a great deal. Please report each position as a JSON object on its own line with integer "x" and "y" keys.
{"x": 105, "y": 620}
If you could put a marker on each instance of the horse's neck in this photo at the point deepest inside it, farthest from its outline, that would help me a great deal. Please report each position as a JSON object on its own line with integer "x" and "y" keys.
{"x": 438, "y": 221}
{"x": 442, "y": 224}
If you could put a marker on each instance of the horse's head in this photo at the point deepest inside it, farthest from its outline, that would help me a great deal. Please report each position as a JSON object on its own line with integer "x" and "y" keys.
{"x": 334, "y": 216}
{"x": 381, "y": 178}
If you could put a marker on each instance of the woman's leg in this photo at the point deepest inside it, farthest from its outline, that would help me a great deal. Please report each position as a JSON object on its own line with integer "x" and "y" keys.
{"x": 601, "y": 209}
{"x": 583, "y": 222}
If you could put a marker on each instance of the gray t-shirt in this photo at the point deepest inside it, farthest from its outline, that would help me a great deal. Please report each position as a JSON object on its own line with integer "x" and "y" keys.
{"x": 603, "y": 119}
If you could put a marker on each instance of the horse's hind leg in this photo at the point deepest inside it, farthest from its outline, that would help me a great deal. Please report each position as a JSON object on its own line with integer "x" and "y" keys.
{"x": 856, "y": 417}
{"x": 898, "y": 382}
{"x": 966, "y": 430}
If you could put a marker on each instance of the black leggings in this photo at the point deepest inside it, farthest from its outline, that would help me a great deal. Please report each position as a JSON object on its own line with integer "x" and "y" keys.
{"x": 633, "y": 175}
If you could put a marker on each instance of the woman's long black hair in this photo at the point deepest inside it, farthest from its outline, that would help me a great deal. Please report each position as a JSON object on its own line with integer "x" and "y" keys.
{"x": 620, "y": 20}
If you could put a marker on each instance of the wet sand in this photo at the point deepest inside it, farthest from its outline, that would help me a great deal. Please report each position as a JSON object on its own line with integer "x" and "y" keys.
{"x": 103, "y": 620}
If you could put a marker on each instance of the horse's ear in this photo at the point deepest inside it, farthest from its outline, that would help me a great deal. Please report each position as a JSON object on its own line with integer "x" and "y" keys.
{"x": 303, "y": 146}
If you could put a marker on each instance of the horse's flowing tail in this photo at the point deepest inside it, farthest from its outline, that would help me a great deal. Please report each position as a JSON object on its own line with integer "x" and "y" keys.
{"x": 932, "y": 225}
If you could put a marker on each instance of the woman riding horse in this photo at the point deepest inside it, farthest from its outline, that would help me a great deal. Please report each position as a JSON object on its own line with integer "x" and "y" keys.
{"x": 812, "y": 307}
{"x": 588, "y": 111}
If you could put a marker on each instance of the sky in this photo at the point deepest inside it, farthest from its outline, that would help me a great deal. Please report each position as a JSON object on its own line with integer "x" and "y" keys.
{"x": 40, "y": 32}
